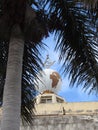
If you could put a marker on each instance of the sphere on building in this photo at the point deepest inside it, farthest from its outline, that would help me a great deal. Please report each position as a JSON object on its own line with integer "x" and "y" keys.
{"x": 48, "y": 80}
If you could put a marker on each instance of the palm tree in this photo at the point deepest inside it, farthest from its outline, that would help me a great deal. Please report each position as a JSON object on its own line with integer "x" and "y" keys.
{"x": 71, "y": 24}
{"x": 18, "y": 28}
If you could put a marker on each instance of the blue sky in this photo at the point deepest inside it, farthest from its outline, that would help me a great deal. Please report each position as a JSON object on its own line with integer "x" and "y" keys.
{"x": 69, "y": 93}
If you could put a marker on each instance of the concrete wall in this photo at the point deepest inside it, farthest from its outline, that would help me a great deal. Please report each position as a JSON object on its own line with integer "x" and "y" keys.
{"x": 55, "y": 107}
{"x": 70, "y": 108}
{"x": 64, "y": 122}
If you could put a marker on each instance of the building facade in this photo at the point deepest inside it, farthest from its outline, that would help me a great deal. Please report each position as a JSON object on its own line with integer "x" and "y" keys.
{"x": 53, "y": 113}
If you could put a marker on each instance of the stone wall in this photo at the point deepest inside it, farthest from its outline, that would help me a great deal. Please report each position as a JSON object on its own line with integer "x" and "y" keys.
{"x": 64, "y": 122}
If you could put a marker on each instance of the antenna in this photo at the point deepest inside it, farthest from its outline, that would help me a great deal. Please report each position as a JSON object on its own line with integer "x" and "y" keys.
{"x": 48, "y": 63}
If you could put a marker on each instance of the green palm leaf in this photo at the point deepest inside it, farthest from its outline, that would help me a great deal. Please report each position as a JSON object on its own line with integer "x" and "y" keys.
{"x": 75, "y": 34}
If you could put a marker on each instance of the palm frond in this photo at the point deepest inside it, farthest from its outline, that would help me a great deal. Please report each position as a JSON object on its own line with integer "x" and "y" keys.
{"x": 31, "y": 66}
{"x": 89, "y": 3}
{"x": 75, "y": 35}
{"x": 3, "y": 64}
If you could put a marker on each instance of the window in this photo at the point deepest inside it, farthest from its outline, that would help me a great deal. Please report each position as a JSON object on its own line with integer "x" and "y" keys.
{"x": 59, "y": 100}
{"x": 46, "y": 99}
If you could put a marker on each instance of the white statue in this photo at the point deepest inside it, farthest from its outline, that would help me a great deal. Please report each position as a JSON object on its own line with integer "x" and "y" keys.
{"x": 48, "y": 63}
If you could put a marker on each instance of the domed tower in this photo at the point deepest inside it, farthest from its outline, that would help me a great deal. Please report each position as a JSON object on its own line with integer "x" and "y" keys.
{"x": 48, "y": 83}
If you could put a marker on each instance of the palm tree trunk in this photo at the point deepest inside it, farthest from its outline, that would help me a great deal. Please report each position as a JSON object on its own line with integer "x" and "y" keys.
{"x": 12, "y": 88}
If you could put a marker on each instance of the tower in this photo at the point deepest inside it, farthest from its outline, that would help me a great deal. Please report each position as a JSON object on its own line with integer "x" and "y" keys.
{"x": 48, "y": 83}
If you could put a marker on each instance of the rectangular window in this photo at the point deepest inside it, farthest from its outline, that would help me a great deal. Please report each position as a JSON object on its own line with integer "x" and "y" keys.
{"x": 46, "y": 99}
{"x": 59, "y": 100}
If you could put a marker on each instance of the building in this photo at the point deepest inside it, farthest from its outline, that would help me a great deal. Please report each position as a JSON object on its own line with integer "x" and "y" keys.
{"x": 54, "y": 113}
{"x": 52, "y": 104}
